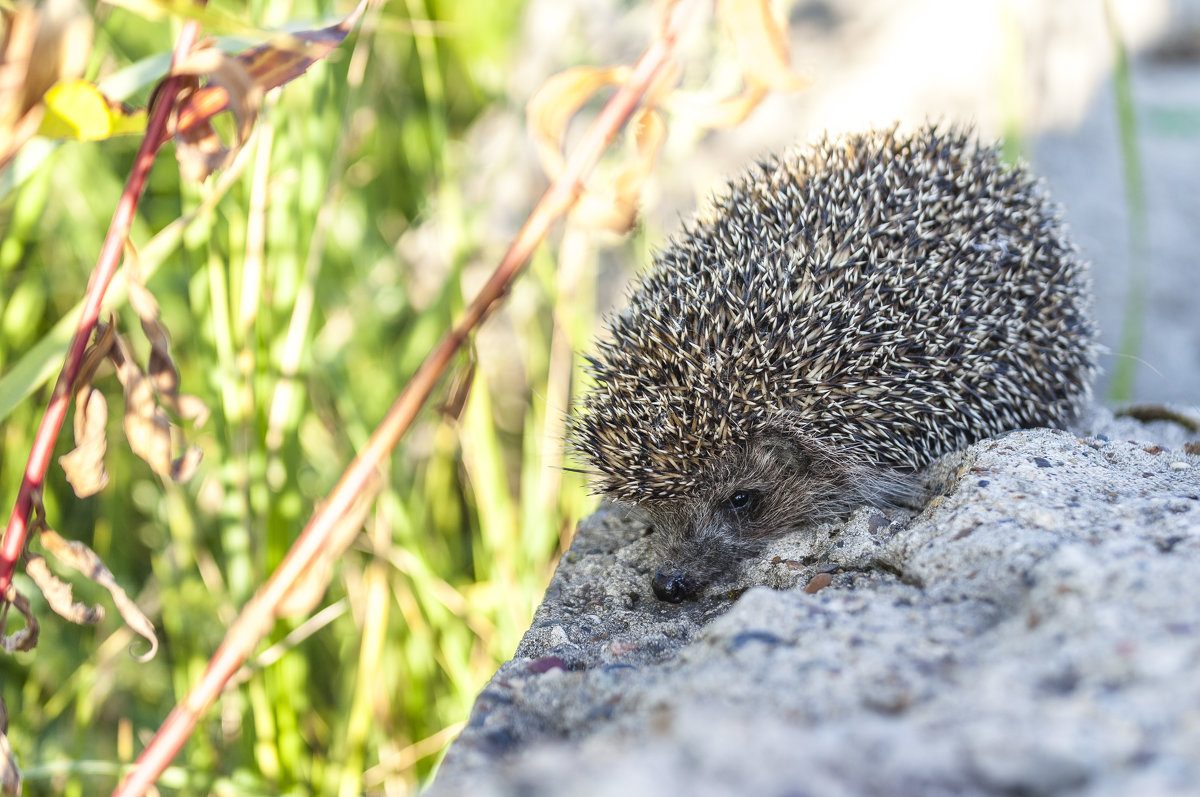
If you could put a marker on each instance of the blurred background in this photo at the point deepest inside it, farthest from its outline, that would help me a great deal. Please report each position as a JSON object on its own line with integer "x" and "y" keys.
{"x": 379, "y": 192}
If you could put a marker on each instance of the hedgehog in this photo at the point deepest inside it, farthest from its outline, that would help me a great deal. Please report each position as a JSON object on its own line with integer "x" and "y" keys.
{"x": 839, "y": 318}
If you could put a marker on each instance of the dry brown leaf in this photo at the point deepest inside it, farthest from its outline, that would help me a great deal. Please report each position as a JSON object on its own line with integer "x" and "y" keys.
{"x": 27, "y": 637}
{"x": 94, "y": 355}
{"x": 80, "y": 557}
{"x": 303, "y": 595}
{"x": 288, "y": 56}
{"x": 198, "y": 148}
{"x": 40, "y": 44}
{"x": 613, "y": 207}
{"x": 189, "y": 407}
{"x": 84, "y": 465}
{"x": 146, "y": 425}
{"x": 59, "y": 594}
{"x": 649, "y": 132}
{"x": 762, "y": 52}
{"x": 236, "y": 83}
{"x": 149, "y": 433}
{"x": 762, "y": 47}
{"x": 164, "y": 376}
{"x": 19, "y": 118}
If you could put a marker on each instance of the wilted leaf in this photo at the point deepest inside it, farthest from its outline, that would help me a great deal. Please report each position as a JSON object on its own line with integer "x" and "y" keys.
{"x": 762, "y": 52}
{"x": 164, "y": 376}
{"x": 559, "y": 98}
{"x": 147, "y": 427}
{"x": 56, "y": 592}
{"x": 198, "y": 148}
{"x": 162, "y": 370}
{"x": 714, "y": 113}
{"x": 80, "y": 557}
{"x": 27, "y": 637}
{"x": 237, "y": 83}
{"x": 106, "y": 336}
{"x": 59, "y": 594}
{"x": 551, "y": 108}
{"x": 288, "y": 56}
{"x": 189, "y": 407}
{"x": 76, "y": 109}
{"x": 303, "y": 595}
{"x": 39, "y": 46}
{"x": 84, "y": 465}
{"x": 762, "y": 47}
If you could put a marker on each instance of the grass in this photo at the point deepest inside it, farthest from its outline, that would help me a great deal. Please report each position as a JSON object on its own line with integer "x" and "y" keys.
{"x": 295, "y": 320}
{"x": 1132, "y": 327}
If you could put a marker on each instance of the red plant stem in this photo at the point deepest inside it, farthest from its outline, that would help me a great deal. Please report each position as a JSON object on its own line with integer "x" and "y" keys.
{"x": 106, "y": 267}
{"x": 257, "y": 617}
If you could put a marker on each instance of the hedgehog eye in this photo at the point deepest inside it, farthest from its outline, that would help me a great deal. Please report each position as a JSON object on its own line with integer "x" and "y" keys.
{"x": 740, "y": 501}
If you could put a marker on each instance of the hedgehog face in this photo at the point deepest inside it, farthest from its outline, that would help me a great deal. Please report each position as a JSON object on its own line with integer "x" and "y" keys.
{"x": 764, "y": 486}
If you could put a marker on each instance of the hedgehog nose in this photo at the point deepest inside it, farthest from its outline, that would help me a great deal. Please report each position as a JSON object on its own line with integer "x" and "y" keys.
{"x": 670, "y": 584}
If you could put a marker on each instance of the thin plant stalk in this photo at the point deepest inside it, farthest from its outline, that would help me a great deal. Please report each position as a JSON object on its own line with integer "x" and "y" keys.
{"x": 106, "y": 266}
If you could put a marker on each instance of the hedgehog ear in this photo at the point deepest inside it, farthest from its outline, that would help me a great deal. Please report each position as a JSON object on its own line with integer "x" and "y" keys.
{"x": 854, "y": 480}
{"x": 799, "y": 451}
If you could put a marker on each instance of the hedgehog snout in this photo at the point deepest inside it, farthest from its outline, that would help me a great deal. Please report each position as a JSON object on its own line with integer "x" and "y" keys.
{"x": 693, "y": 550}
{"x": 671, "y": 584}
{"x": 680, "y": 553}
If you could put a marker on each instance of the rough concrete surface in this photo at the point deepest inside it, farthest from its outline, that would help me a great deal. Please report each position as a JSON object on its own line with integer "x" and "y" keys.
{"x": 1034, "y": 630}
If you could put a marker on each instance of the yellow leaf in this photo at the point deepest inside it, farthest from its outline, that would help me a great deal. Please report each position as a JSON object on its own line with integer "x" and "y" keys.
{"x": 77, "y": 110}
{"x": 553, "y": 105}
{"x": 132, "y": 123}
{"x": 613, "y": 207}
{"x": 761, "y": 44}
